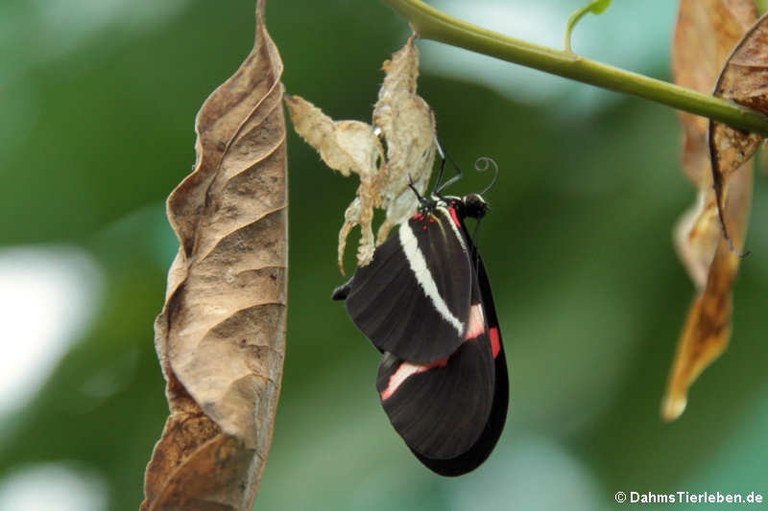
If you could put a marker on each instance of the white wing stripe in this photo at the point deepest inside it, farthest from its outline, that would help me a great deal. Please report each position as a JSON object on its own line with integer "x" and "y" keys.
{"x": 447, "y": 214}
{"x": 423, "y": 276}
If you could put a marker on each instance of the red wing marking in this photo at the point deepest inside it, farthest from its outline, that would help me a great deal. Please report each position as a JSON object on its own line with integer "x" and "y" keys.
{"x": 455, "y": 216}
{"x": 475, "y": 330}
{"x": 495, "y": 341}
{"x": 405, "y": 370}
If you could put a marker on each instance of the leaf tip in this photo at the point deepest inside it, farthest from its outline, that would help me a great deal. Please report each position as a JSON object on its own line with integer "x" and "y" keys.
{"x": 673, "y": 406}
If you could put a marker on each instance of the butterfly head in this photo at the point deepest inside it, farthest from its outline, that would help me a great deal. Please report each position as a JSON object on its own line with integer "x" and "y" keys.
{"x": 475, "y": 206}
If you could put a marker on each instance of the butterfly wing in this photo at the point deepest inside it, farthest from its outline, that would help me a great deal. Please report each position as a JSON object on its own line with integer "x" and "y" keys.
{"x": 479, "y": 451}
{"x": 425, "y": 302}
{"x": 440, "y": 409}
{"x": 413, "y": 299}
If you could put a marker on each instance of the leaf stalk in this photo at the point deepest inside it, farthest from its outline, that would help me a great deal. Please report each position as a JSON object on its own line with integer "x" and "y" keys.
{"x": 433, "y": 24}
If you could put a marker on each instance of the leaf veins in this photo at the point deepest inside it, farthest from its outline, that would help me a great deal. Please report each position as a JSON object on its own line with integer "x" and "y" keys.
{"x": 221, "y": 334}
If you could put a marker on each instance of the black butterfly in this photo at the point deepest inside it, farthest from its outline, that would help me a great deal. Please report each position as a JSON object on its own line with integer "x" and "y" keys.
{"x": 426, "y": 304}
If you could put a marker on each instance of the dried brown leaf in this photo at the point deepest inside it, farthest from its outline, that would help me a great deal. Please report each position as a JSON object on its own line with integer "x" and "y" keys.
{"x": 696, "y": 237}
{"x": 221, "y": 334}
{"x": 744, "y": 79}
{"x": 708, "y": 327}
{"x": 705, "y": 35}
{"x": 404, "y": 124}
{"x": 706, "y": 32}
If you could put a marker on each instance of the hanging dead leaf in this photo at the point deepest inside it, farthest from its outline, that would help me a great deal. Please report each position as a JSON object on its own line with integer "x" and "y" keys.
{"x": 221, "y": 334}
{"x": 404, "y": 124}
{"x": 696, "y": 237}
{"x": 708, "y": 327}
{"x": 744, "y": 79}
{"x": 705, "y": 34}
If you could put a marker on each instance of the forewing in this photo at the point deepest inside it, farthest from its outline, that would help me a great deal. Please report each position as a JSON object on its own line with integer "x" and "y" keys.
{"x": 413, "y": 299}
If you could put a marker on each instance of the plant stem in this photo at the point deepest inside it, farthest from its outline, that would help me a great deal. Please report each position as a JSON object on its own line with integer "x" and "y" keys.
{"x": 430, "y": 23}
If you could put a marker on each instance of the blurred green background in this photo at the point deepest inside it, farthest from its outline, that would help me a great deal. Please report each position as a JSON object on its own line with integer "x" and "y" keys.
{"x": 98, "y": 100}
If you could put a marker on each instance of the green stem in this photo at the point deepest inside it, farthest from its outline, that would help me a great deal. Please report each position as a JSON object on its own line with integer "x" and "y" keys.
{"x": 430, "y": 23}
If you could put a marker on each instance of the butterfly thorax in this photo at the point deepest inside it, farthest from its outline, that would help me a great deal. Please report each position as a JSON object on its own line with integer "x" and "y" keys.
{"x": 457, "y": 208}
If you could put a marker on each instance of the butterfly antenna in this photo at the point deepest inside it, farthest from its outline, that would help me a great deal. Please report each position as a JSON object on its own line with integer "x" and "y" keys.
{"x": 447, "y": 157}
{"x": 441, "y": 172}
{"x": 483, "y": 164}
{"x": 421, "y": 199}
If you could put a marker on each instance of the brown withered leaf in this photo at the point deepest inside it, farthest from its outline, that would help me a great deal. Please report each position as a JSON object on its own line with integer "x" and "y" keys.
{"x": 744, "y": 79}
{"x": 404, "y": 124}
{"x": 705, "y": 34}
{"x": 707, "y": 330}
{"x": 221, "y": 334}
{"x": 697, "y": 235}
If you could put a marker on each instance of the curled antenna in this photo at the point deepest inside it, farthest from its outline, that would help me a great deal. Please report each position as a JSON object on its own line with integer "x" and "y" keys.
{"x": 483, "y": 164}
